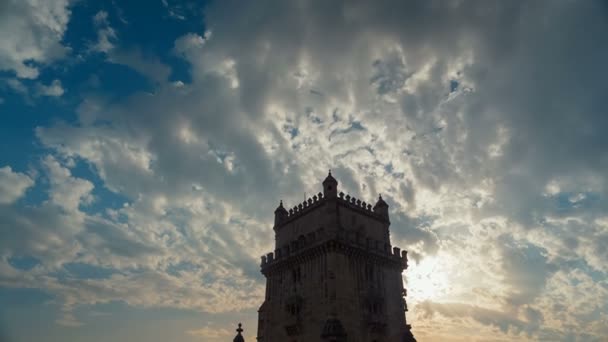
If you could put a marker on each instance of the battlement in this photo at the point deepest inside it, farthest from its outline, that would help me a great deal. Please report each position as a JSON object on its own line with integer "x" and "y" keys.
{"x": 361, "y": 206}
{"x": 304, "y": 207}
{"x": 355, "y": 203}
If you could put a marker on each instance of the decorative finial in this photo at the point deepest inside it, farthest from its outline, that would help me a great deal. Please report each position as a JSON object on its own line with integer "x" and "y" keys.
{"x": 239, "y": 337}
{"x": 281, "y": 204}
{"x": 330, "y": 172}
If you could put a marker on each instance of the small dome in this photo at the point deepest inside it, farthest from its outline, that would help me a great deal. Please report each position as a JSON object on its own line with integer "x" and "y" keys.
{"x": 330, "y": 179}
{"x": 280, "y": 208}
{"x": 380, "y": 202}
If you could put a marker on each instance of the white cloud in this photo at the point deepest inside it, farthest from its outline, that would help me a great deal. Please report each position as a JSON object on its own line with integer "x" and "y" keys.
{"x": 54, "y": 89}
{"x": 66, "y": 191}
{"x": 32, "y": 32}
{"x": 106, "y": 36}
{"x": 13, "y": 185}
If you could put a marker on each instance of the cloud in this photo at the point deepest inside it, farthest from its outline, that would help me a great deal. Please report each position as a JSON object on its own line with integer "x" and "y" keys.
{"x": 501, "y": 320}
{"x": 475, "y": 120}
{"x": 33, "y": 32}
{"x": 66, "y": 191}
{"x": 106, "y": 35}
{"x": 108, "y": 43}
{"x": 176, "y": 11}
{"x": 54, "y": 89}
{"x": 525, "y": 267}
{"x": 17, "y": 86}
{"x": 13, "y": 185}
{"x": 147, "y": 66}
{"x": 207, "y": 332}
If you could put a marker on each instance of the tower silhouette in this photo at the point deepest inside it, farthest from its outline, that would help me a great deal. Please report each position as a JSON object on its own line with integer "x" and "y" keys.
{"x": 333, "y": 276}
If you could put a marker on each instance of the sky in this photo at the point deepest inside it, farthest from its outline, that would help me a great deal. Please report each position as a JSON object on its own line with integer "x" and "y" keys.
{"x": 144, "y": 148}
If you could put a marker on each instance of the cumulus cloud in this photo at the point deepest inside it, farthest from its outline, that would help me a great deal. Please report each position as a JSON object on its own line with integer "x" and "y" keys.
{"x": 32, "y": 32}
{"x": 66, "y": 191}
{"x": 54, "y": 89}
{"x": 13, "y": 185}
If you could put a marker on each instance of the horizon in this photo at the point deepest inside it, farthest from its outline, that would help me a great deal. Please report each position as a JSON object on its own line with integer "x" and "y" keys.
{"x": 144, "y": 150}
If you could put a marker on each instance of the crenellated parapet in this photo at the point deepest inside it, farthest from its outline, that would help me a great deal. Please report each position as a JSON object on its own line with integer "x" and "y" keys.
{"x": 377, "y": 211}
{"x": 305, "y": 206}
{"x": 283, "y": 216}
{"x": 355, "y": 203}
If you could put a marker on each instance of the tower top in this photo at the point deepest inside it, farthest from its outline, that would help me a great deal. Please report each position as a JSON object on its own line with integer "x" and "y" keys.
{"x": 330, "y": 179}
{"x": 330, "y": 186}
{"x": 239, "y": 337}
{"x": 280, "y": 208}
{"x": 381, "y": 202}
{"x": 381, "y": 208}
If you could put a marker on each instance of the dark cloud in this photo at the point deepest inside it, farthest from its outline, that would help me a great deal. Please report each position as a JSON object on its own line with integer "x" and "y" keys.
{"x": 525, "y": 268}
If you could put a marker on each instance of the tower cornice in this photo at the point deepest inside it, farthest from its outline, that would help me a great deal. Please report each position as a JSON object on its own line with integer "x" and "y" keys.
{"x": 391, "y": 257}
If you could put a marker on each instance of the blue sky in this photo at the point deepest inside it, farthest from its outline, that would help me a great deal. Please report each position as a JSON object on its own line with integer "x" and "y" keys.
{"x": 144, "y": 149}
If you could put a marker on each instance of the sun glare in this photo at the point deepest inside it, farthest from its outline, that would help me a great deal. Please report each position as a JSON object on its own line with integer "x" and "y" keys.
{"x": 427, "y": 280}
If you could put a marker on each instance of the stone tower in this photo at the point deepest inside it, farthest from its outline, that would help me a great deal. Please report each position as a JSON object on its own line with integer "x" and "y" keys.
{"x": 333, "y": 276}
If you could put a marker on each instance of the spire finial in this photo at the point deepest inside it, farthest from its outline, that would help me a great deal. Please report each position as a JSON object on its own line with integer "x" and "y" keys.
{"x": 239, "y": 337}
{"x": 330, "y": 172}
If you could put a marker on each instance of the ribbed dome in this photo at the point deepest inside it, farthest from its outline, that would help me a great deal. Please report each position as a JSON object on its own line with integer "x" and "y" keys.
{"x": 280, "y": 209}
{"x": 330, "y": 179}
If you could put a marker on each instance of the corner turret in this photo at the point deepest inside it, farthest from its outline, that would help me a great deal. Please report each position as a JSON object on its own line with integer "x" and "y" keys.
{"x": 280, "y": 214}
{"x": 381, "y": 208}
{"x": 330, "y": 187}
